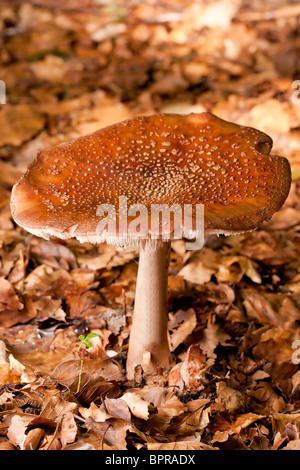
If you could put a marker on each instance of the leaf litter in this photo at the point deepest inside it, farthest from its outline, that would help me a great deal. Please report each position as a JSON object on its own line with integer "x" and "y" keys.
{"x": 234, "y": 305}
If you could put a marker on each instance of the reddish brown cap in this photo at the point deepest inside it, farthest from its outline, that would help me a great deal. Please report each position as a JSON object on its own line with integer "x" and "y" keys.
{"x": 160, "y": 159}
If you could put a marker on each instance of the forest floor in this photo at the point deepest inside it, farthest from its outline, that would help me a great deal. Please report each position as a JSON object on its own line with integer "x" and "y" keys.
{"x": 69, "y": 69}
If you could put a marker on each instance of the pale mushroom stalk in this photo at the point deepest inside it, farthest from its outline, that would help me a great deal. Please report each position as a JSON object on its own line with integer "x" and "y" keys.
{"x": 148, "y": 345}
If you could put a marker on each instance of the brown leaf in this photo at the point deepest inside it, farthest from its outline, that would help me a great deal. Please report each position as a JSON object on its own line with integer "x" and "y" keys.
{"x": 243, "y": 421}
{"x": 6, "y": 445}
{"x": 212, "y": 336}
{"x": 118, "y": 408}
{"x": 33, "y": 439}
{"x": 292, "y": 445}
{"x": 200, "y": 267}
{"x": 229, "y": 399}
{"x": 99, "y": 377}
{"x": 191, "y": 371}
{"x": 54, "y": 255}
{"x": 81, "y": 444}
{"x": 95, "y": 413}
{"x": 181, "y": 325}
{"x": 8, "y": 298}
{"x": 180, "y": 445}
{"x": 278, "y": 310}
{"x": 68, "y": 429}
{"x": 54, "y": 408}
{"x": 247, "y": 267}
{"x": 113, "y": 432}
{"x": 281, "y": 420}
{"x": 137, "y": 405}
{"x": 17, "y": 429}
{"x": 19, "y": 123}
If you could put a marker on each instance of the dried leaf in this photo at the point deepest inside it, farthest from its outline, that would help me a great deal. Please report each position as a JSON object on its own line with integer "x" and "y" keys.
{"x": 212, "y": 336}
{"x": 19, "y": 123}
{"x": 137, "y": 405}
{"x": 187, "y": 322}
{"x": 68, "y": 429}
{"x": 17, "y": 429}
{"x": 181, "y": 445}
{"x": 9, "y": 300}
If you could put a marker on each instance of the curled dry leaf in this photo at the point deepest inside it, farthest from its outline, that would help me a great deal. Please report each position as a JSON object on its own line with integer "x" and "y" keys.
{"x": 200, "y": 267}
{"x": 108, "y": 369}
{"x": 246, "y": 267}
{"x": 275, "y": 345}
{"x": 55, "y": 408}
{"x": 112, "y": 432}
{"x": 228, "y": 399}
{"x": 292, "y": 445}
{"x": 189, "y": 374}
{"x": 99, "y": 377}
{"x": 54, "y": 255}
{"x": 243, "y": 421}
{"x": 277, "y": 310}
{"x": 181, "y": 326}
{"x": 268, "y": 248}
{"x": 171, "y": 408}
{"x": 9, "y": 300}
{"x": 33, "y": 439}
{"x": 118, "y": 408}
{"x": 95, "y": 413}
{"x": 2, "y": 353}
{"x": 68, "y": 430}
{"x": 26, "y": 374}
{"x": 17, "y": 430}
{"x": 137, "y": 405}
{"x": 281, "y": 420}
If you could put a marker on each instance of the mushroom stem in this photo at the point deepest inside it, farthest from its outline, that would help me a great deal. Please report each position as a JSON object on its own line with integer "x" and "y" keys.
{"x": 148, "y": 344}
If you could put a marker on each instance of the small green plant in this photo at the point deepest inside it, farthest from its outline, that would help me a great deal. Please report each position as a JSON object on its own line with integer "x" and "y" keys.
{"x": 84, "y": 342}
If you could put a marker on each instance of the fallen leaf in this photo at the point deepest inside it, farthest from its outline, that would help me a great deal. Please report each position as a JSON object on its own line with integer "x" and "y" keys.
{"x": 68, "y": 429}
{"x": 19, "y": 123}
{"x": 211, "y": 337}
{"x": 181, "y": 326}
{"x": 9, "y": 300}
{"x": 245, "y": 420}
{"x": 180, "y": 445}
{"x": 33, "y": 439}
{"x": 17, "y": 429}
{"x": 137, "y": 405}
{"x": 228, "y": 399}
{"x": 200, "y": 267}
{"x": 292, "y": 445}
{"x": 191, "y": 371}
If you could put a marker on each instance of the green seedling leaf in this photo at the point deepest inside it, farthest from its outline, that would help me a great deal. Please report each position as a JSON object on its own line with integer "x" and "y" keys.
{"x": 84, "y": 339}
{"x": 91, "y": 335}
{"x": 83, "y": 342}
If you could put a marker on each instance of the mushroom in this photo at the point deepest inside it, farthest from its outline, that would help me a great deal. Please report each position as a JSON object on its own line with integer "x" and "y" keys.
{"x": 92, "y": 188}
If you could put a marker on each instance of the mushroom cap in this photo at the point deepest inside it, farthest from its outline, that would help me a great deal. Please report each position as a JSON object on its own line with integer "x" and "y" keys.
{"x": 160, "y": 159}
